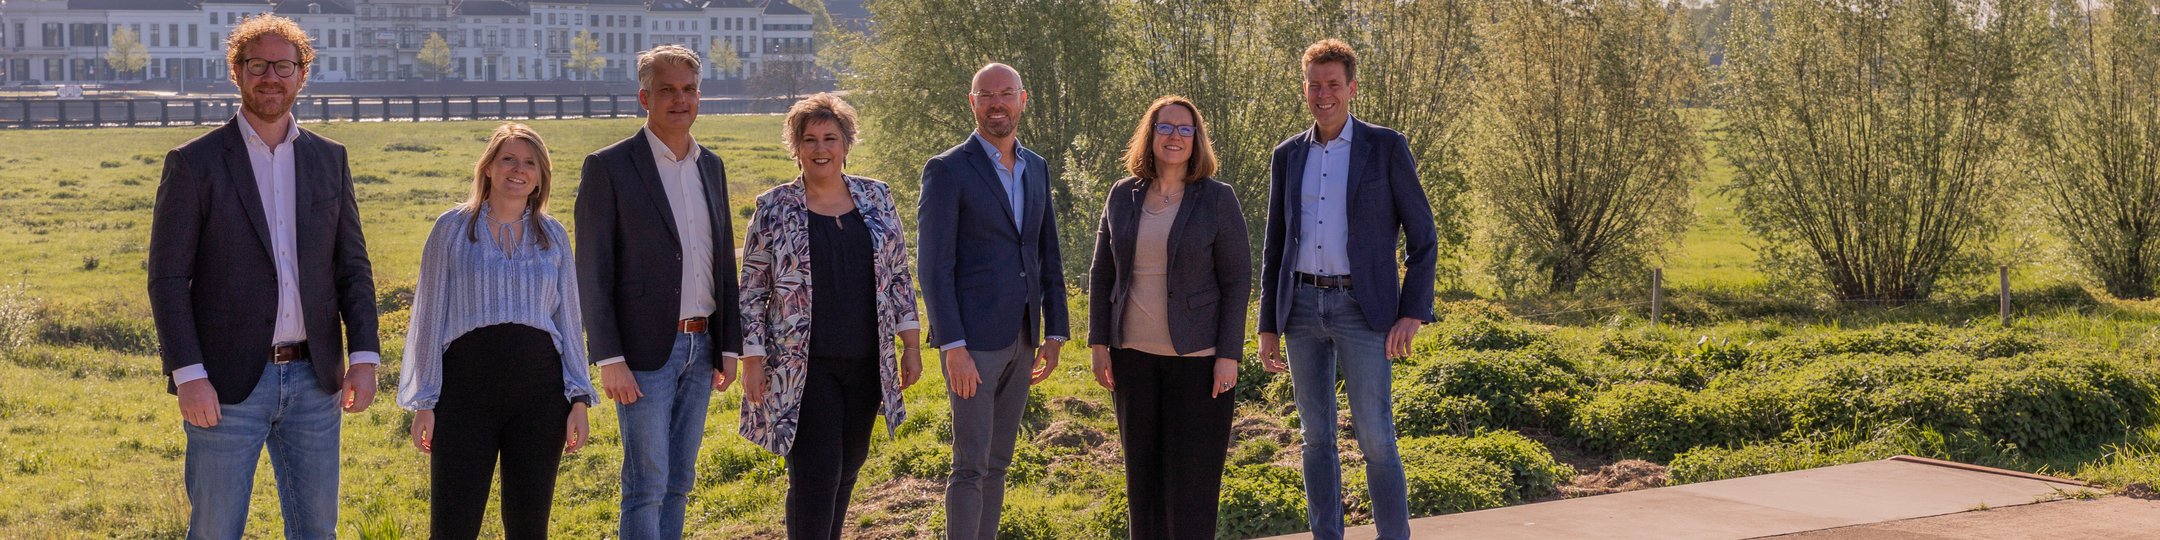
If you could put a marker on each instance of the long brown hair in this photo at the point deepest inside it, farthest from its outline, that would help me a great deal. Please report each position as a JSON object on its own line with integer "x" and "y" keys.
{"x": 1140, "y": 153}
{"x": 481, "y": 188}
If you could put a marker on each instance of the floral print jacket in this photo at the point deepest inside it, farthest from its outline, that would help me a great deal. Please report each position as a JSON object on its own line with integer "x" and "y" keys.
{"x": 776, "y": 304}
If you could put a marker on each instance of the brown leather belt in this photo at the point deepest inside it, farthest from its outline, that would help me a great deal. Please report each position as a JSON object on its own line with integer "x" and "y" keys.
{"x": 288, "y": 353}
{"x": 693, "y": 325}
{"x": 1324, "y": 282}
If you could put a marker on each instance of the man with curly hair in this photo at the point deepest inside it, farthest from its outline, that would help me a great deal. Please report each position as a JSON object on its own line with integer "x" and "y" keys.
{"x": 260, "y": 287}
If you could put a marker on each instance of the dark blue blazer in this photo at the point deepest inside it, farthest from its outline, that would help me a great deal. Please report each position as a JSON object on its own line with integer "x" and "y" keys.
{"x": 1385, "y": 197}
{"x": 982, "y": 280}
{"x": 629, "y": 257}
{"x": 213, "y": 285}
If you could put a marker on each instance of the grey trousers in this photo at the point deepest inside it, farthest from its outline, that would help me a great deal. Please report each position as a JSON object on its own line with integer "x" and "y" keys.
{"x": 984, "y": 428}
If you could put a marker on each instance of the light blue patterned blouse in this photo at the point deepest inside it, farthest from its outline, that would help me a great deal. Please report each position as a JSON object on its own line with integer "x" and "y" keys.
{"x": 466, "y": 285}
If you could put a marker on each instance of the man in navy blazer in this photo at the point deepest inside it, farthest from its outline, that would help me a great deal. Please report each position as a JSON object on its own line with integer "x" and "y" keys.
{"x": 256, "y": 264}
{"x": 656, "y": 281}
{"x": 1338, "y": 196}
{"x": 987, "y": 254}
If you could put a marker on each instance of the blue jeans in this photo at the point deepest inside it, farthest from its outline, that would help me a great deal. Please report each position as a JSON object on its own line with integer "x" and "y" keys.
{"x": 1325, "y": 329}
{"x": 661, "y": 433}
{"x": 299, "y": 423}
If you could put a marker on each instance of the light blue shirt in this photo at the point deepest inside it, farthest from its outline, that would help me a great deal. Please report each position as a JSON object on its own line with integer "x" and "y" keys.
{"x": 1015, "y": 193}
{"x": 1323, "y": 206}
{"x": 468, "y": 281}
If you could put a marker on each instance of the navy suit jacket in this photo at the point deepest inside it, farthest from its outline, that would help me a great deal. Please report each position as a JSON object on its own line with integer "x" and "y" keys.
{"x": 213, "y": 285}
{"x": 1385, "y": 197}
{"x": 982, "y": 280}
{"x": 629, "y": 257}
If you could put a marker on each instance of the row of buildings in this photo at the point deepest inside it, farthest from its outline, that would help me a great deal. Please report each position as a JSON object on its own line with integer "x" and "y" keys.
{"x": 65, "y": 41}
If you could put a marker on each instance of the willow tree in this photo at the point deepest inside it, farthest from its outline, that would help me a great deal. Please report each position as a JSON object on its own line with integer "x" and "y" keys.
{"x": 1581, "y": 156}
{"x": 2093, "y": 132}
{"x": 1868, "y": 134}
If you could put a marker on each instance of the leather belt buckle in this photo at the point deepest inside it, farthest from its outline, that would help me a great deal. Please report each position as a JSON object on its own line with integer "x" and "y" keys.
{"x": 693, "y": 325}
{"x": 288, "y": 353}
{"x": 1324, "y": 282}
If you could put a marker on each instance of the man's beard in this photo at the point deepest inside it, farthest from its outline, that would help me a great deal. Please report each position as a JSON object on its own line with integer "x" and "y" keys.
{"x": 267, "y": 107}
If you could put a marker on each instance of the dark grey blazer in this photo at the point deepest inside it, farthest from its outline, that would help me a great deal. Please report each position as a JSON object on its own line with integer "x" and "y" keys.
{"x": 629, "y": 260}
{"x": 213, "y": 285}
{"x": 1209, "y": 279}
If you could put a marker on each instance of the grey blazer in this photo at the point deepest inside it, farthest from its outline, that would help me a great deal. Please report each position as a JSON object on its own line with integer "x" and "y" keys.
{"x": 1210, "y": 274}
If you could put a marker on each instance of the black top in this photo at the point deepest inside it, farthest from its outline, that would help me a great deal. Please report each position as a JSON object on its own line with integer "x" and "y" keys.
{"x": 843, "y": 287}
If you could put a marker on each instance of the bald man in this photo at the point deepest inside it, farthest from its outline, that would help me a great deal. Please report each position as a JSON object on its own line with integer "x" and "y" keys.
{"x": 987, "y": 249}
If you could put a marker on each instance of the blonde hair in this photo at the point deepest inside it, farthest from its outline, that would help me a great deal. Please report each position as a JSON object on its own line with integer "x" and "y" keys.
{"x": 1140, "y": 152}
{"x": 673, "y": 54}
{"x": 482, "y": 188}
{"x": 254, "y": 28}
{"x": 824, "y": 107}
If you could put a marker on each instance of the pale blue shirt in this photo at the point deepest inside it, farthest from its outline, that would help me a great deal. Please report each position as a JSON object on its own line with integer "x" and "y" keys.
{"x": 1015, "y": 193}
{"x": 1323, "y": 206}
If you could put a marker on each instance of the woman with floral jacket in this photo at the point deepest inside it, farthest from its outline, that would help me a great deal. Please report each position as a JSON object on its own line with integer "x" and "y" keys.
{"x": 828, "y": 248}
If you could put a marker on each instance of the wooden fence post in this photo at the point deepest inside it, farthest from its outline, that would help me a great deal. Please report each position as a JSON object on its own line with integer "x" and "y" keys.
{"x": 2003, "y": 292}
{"x": 1657, "y": 296}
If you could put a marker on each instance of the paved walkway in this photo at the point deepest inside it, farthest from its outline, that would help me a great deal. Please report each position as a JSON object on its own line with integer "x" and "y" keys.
{"x": 1872, "y": 500}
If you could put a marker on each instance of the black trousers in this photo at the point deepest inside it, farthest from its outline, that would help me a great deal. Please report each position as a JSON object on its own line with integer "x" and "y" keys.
{"x": 1175, "y": 439}
{"x": 502, "y": 396}
{"x": 832, "y": 438}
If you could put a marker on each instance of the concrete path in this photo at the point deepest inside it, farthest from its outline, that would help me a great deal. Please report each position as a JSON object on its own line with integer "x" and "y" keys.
{"x": 1822, "y": 499}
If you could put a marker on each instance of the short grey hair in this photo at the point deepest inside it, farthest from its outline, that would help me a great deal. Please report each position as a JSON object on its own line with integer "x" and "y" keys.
{"x": 673, "y": 54}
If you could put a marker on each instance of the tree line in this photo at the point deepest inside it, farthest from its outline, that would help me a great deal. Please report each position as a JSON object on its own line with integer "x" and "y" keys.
{"x": 1878, "y": 144}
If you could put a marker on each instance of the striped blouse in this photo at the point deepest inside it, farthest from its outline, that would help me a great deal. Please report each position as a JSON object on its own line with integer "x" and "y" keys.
{"x": 466, "y": 285}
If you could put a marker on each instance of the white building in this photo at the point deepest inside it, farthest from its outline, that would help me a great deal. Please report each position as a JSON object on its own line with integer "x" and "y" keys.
{"x": 59, "y": 41}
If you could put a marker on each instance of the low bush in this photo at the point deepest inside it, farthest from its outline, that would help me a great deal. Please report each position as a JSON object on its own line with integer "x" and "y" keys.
{"x": 1260, "y": 500}
{"x": 1441, "y": 483}
{"x": 1532, "y": 470}
{"x": 1646, "y": 420}
{"x": 1467, "y": 390}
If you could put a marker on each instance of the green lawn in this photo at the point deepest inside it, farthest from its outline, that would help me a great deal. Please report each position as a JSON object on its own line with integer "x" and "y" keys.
{"x": 92, "y": 445}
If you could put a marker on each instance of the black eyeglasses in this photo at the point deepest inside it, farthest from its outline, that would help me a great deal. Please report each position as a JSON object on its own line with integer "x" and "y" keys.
{"x": 1182, "y": 131}
{"x": 258, "y": 66}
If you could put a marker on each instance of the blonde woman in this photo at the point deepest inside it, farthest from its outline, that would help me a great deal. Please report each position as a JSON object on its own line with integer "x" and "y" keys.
{"x": 494, "y": 367}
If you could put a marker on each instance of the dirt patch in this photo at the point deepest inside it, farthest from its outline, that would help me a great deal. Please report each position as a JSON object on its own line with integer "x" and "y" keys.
{"x": 1069, "y": 434}
{"x": 2140, "y": 490}
{"x": 1076, "y": 407}
{"x": 1256, "y": 427}
{"x": 1626, "y": 475}
{"x": 900, "y": 508}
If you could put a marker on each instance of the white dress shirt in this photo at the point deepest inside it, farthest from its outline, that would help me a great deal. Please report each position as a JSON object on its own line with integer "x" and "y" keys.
{"x": 1323, "y": 206}
{"x": 275, "y": 178}
{"x": 685, "y": 188}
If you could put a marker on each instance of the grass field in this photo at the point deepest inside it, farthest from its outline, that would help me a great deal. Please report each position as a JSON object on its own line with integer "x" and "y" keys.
{"x": 92, "y": 445}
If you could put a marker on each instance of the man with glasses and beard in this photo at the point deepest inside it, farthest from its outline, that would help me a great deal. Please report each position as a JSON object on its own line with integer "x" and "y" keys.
{"x": 987, "y": 252}
{"x": 260, "y": 286}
